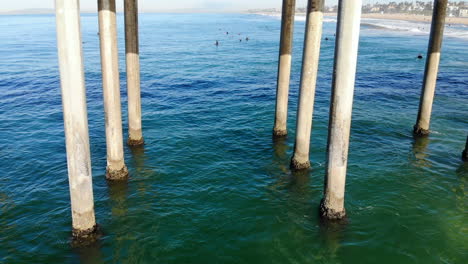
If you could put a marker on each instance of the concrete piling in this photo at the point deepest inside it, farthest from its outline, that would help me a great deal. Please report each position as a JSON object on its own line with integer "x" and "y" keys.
{"x": 75, "y": 117}
{"x": 432, "y": 67}
{"x": 284, "y": 68}
{"x": 465, "y": 152}
{"x": 310, "y": 61}
{"x": 346, "y": 50}
{"x": 135, "y": 135}
{"x": 116, "y": 169}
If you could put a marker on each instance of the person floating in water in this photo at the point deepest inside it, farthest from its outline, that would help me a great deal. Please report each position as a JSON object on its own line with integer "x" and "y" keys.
{"x": 240, "y": 40}
{"x": 326, "y": 38}
{"x": 420, "y": 56}
{"x": 227, "y": 33}
{"x": 247, "y": 39}
{"x": 217, "y": 43}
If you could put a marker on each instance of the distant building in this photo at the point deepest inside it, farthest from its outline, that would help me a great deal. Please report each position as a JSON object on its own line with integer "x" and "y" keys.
{"x": 418, "y": 7}
{"x": 463, "y": 12}
{"x": 452, "y": 10}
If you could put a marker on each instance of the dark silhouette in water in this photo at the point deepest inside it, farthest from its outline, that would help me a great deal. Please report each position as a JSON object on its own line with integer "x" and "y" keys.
{"x": 217, "y": 43}
{"x": 247, "y": 39}
{"x": 326, "y": 38}
{"x": 420, "y": 56}
{"x": 240, "y": 40}
{"x": 227, "y": 33}
{"x": 465, "y": 152}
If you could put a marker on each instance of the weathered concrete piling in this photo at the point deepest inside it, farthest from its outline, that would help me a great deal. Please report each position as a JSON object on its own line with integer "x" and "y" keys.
{"x": 310, "y": 61}
{"x": 75, "y": 117}
{"x": 284, "y": 68}
{"x": 116, "y": 169}
{"x": 465, "y": 152}
{"x": 135, "y": 135}
{"x": 432, "y": 67}
{"x": 344, "y": 73}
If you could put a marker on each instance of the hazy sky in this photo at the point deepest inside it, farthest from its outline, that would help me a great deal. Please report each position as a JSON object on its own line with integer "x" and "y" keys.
{"x": 152, "y": 5}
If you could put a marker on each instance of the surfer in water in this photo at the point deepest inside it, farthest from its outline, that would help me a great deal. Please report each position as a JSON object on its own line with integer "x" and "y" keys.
{"x": 420, "y": 56}
{"x": 247, "y": 39}
{"x": 217, "y": 43}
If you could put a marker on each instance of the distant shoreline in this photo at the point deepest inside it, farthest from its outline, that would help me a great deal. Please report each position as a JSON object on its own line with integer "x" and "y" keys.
{"x": 405, "y": 17}
{"x": 48, "y": 11}
{"x": 416, "y": 18}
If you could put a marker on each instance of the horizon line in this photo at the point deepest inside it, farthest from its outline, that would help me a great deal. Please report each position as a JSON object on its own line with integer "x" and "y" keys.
{"x": 45, "y": 11}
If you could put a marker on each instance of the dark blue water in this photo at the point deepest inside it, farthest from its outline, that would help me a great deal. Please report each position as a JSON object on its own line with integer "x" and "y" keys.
{"x": 210, "y": 186}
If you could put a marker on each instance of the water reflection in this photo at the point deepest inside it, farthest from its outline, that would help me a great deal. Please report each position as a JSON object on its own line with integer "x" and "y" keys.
{"x": 332, "y": 235}
{"x": 280, "y": 148}
{"x": 465, "y": 151}
{"x": 6, "y": 211}
{"x": 118, "y": 196}
{"x": 420, "y": 152}
{"x": 461, "y": 189}
{"x": 299, "y": 181}
{"x": 141, "y": 171}
{"x": 6, "y": 203}
{"x": 462, "y": 171}
{"x": 280, "y": 157}
{"x": 138, "y": 158}
{"x": 90, "y": 254}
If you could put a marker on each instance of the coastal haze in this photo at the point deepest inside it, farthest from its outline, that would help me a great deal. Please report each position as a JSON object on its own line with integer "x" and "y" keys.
{"x": 152, "y": 6}
{"x": 33, "y": 6}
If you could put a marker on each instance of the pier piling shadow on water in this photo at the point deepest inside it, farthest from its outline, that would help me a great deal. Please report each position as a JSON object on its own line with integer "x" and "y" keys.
{"x": 280, "y": 148}
{"x": 118, "y": 192}
{"x": 419, "y": 149}
{"x": 332, "y": 234}
{"x": 90, "y": 253}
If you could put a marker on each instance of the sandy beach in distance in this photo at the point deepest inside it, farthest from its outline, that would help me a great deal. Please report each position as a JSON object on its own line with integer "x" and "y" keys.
{"x": 410, "y": 17}
{"x": 417, "y": 18}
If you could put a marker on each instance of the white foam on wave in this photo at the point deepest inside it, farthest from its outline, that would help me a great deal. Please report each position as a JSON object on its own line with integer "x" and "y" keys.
{"x": 300, "y": 18}
{"x": 329, "y": 20}
{"x": 403, "y": 26}
{"x": 397, "y": 25}
{"x": 413, "y": 27}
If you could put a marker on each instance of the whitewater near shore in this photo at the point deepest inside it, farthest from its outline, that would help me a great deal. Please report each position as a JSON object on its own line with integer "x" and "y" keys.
{"x": 403, "y": 23}
{"x": 405, "y": 17}
{"x": 415, "y": 18}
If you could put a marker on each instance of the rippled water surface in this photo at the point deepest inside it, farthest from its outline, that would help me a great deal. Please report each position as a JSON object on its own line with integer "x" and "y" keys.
{"x": 210, "y": 186}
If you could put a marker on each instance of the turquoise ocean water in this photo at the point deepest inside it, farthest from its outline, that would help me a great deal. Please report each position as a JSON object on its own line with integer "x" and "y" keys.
{"x": 210, "y": 185}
